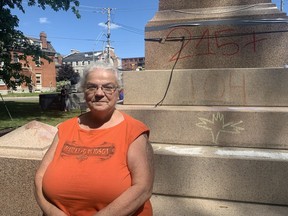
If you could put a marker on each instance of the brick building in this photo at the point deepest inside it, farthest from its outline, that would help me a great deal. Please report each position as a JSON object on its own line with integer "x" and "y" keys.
{"x": 133, "y": 63}
{"x": 43, "y": 75}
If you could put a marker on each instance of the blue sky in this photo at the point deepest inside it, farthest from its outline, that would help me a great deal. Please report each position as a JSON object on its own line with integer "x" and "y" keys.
{"x": 66, "y": 32}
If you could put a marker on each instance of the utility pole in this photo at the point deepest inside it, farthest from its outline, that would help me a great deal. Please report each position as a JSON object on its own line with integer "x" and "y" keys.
{"x": 108, "y": 23}
{"x": 108, "y": 30}
{"x": 282, "y": 5}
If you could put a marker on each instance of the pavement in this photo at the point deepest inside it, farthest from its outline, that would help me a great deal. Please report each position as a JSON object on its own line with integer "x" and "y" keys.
{"x": 20, "y": 98}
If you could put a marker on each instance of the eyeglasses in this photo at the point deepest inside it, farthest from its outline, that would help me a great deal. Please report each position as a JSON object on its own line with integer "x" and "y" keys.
{"x": 107, "y": 89}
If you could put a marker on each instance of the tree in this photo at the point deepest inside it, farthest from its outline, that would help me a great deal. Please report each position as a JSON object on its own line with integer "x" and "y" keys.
{"x": 13, "y": 43}
{"x": 66, "y": 72}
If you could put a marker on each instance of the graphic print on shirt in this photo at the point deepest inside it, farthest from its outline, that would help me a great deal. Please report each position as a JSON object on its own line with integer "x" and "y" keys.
{"x": 101, "y": 152}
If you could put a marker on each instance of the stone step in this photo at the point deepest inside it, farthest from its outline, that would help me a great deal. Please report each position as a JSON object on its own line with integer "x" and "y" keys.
{"x": 234, "y": 174}
{"x": 208, "y": 87}
{"x": 266, "y": 10}
{"x": 258, "y": 127}
{"x": 184, "y": 206}
{"x": 184, "y": 4}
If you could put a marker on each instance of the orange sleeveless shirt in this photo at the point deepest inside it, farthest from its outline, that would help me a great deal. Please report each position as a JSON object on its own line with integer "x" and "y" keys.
{"x": 89, "y": 169}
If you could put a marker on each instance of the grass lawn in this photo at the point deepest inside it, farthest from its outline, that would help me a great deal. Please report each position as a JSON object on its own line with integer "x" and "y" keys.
{"x": 23, "y": 112}
{"x": 21, "y": 94}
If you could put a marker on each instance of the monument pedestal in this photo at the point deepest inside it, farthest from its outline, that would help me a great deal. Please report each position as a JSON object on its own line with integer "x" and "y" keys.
{"x": 216, "y": 34}
{"x": 215, "y": 155}
{"x": 215, "y": 98}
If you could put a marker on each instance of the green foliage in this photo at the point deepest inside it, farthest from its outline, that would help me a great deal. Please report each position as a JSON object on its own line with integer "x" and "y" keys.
{"x": 60, "y": 84}
{"x": 57, "y": 5}
{"x": 67, "y": 73}
{"x": 13, "y": 42}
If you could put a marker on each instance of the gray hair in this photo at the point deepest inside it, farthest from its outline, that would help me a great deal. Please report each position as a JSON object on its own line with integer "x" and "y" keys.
{"x": 102, "y": 66}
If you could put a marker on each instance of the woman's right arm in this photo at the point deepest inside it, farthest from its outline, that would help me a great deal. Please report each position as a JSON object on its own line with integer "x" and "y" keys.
{"x": 47, "y": 207}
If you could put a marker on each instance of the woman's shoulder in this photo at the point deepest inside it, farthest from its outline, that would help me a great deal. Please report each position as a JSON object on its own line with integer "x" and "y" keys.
{"x": 68, "y": 122}
{"x": 134, "y": 122}
{"x": 131, "y": 119}
{"x": 134, "y": 127}
{"x": 66, "y": 127}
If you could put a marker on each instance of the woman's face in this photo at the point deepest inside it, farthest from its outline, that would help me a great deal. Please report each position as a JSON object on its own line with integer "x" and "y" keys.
{"x": 101, "y": 92}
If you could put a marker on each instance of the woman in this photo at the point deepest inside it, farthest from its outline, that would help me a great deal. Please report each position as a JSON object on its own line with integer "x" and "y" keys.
{"x": 100, "y": 163}
{"x": 64, "y": 99}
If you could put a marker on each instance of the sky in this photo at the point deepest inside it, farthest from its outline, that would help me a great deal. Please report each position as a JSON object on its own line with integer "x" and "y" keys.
{"x": 66, "y": 32}
{"x": 89, "y": 33}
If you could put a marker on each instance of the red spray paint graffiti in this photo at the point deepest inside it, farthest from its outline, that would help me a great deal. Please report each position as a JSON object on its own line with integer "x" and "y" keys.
{"x": 225, "y": 42}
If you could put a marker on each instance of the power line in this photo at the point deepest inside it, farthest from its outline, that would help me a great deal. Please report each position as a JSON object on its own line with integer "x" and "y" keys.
{"x": 67, "y": 38}
{"x": 87, "y": 39}
{"x": 108, "y": 11}
{"x": 130, "y": 29}
{"x": 137, "y": 9}
{"x": 92, "y": 8}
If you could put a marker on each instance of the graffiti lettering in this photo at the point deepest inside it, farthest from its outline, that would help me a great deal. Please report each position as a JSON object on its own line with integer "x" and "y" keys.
{"x": 226, "y": 42}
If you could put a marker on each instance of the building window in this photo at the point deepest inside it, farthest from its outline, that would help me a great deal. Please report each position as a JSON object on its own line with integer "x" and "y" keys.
{"x": 15, "y": 58}
{"x": 77, "y": 63}
{"x": 38, "y": 79}
{"x": 38, "y": 61}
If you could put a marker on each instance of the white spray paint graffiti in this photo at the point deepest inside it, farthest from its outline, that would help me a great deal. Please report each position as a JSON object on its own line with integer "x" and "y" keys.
{"x": 217, "y": 125}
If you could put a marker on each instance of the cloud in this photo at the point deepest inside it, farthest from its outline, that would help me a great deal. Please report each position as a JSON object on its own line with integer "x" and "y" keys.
{"x": 43, "y": 20}
{"x": 112, "y": 26}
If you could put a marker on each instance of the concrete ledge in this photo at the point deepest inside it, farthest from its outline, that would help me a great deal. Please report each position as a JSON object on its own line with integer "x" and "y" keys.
{"x": 259, "y": 127}
{"x": 169, "y": 205}
{"x": 208, "y": 87}
{"x": 30, "y": 141}
{"x": 20, "y": 153}
{"x": 17, "y": 183}
{"x": 235, "y": 174}
{"x": 17, "y": 197}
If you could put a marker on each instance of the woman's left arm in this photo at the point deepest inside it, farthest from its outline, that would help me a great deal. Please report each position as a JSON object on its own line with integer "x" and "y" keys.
{"x": 140, "y": 163}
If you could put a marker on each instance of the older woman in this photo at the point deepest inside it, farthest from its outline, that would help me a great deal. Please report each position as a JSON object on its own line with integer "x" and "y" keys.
{"x": 100, "y": 163}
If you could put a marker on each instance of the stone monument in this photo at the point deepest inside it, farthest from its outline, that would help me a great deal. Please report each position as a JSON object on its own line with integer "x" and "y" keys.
{"x": 216, "y": 34}
{"x": 214, "y": 95}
